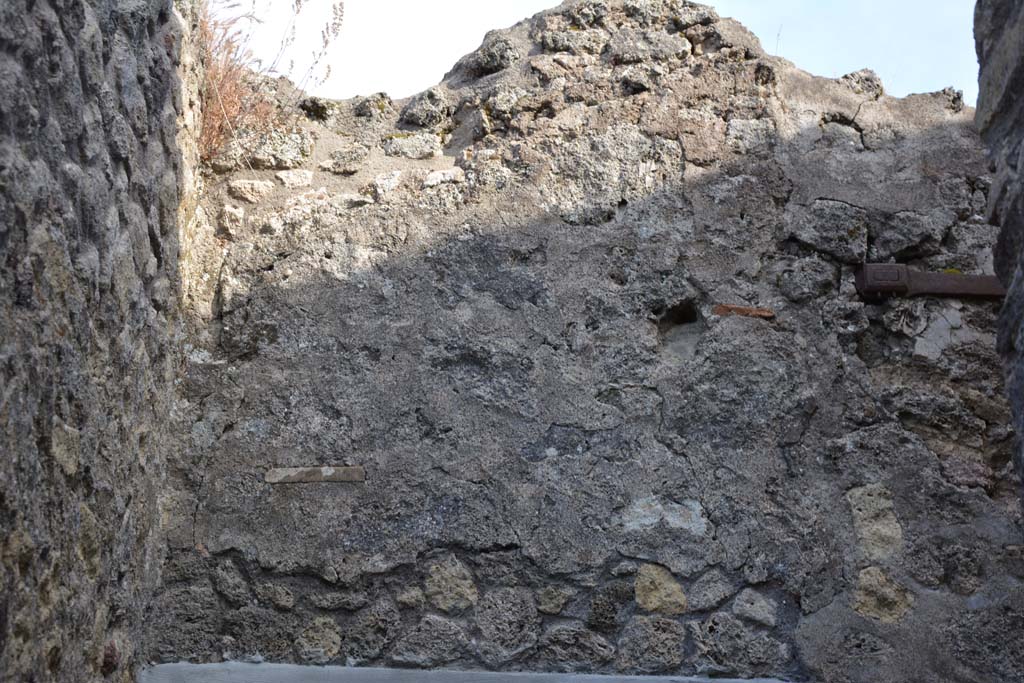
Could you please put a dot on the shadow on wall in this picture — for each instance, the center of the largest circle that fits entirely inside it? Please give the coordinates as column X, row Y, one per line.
column 999, row 27
column 572, row 463
column 89, row 189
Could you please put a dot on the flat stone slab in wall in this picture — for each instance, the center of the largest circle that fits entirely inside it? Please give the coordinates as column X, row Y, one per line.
column 314, row 475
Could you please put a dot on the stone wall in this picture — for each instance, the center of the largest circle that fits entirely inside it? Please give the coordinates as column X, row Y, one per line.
column 90, row 181
column 511, row 299
column 999, row 33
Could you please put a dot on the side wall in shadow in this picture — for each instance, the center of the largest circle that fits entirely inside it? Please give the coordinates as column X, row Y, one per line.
column 999, row 34
column 90, row 183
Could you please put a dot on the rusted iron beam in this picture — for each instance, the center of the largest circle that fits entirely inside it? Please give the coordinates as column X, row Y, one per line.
column 879, row 281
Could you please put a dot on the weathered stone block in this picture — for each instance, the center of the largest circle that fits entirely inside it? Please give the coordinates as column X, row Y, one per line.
column 450, row 586
column 658, row 591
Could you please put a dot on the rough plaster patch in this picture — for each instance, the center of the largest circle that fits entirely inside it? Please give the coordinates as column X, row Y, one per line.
column 647, row 513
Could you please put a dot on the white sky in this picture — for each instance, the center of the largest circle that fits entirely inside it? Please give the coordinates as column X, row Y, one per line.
column 404, row 46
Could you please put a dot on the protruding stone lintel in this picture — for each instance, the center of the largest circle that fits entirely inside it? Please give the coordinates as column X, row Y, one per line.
column 315, row 475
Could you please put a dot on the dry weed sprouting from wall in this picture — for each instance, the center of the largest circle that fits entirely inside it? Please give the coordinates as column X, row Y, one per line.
column 230, row 94
column 234, row 94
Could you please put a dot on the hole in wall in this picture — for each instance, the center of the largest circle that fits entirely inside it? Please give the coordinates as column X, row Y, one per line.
column 53, row 659
column 679, row 314
column 680, row 327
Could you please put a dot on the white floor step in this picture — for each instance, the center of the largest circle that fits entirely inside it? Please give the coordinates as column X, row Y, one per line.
column 237, row 672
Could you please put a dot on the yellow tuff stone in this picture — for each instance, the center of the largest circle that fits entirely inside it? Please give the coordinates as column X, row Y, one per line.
column 658, row 591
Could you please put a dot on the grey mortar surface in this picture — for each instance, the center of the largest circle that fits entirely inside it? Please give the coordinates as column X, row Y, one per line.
column 572, row 463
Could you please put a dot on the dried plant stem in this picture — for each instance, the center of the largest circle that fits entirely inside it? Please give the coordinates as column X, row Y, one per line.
column 235, row 99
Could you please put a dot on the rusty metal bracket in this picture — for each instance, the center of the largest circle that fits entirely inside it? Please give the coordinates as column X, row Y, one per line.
column 879, row 281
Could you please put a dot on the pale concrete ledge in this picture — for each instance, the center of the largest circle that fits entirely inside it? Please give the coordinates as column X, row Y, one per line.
column 235, row 672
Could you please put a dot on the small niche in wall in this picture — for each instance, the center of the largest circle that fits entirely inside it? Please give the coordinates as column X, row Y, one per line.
column 680, row 327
